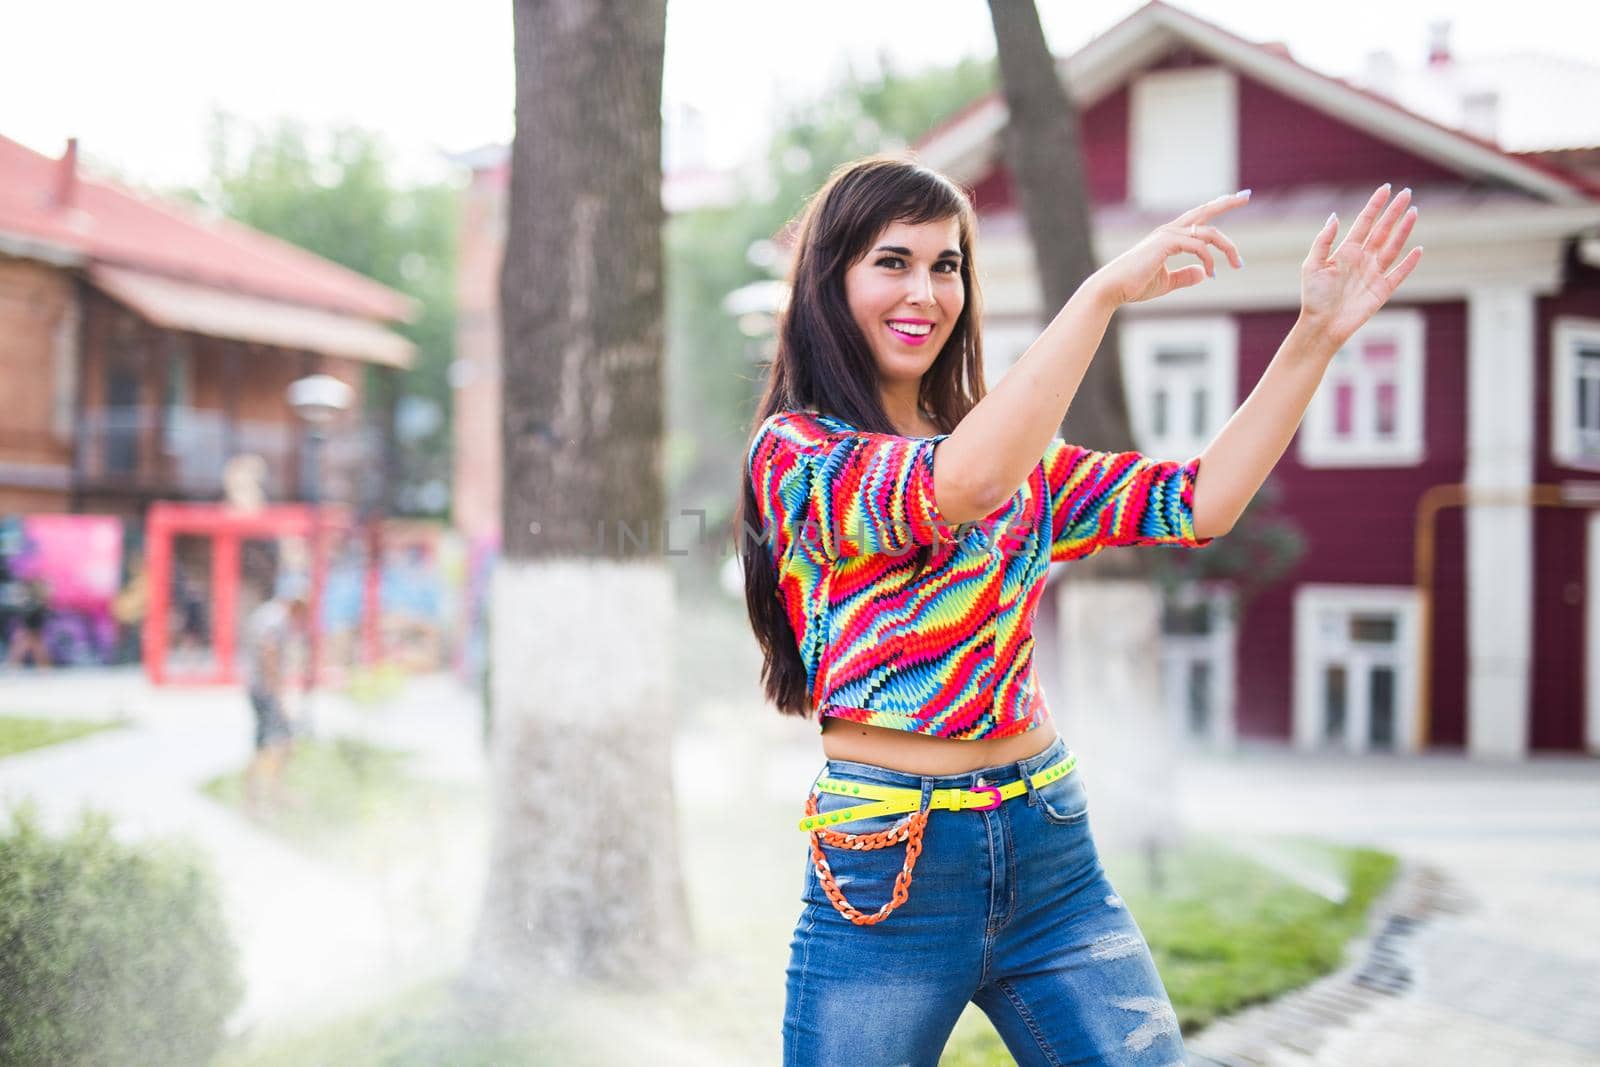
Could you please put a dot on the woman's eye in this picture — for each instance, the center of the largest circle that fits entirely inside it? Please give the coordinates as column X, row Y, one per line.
column 895, row 262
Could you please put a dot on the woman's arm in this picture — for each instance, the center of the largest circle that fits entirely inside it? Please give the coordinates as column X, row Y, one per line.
column 1237, row 461
column 1340, row 290
column 989, row 455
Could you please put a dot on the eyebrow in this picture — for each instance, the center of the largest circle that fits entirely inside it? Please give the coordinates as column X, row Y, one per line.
column 901, row 250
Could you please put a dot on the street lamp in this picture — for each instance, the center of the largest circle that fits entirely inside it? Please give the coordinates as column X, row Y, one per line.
column 318, row 400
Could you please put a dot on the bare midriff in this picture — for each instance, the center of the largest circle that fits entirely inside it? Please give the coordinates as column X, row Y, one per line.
column 920, row 754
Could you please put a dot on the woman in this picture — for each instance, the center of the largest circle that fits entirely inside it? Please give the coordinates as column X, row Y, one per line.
column 897, row 526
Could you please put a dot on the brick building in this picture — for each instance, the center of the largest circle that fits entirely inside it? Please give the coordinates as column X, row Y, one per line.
column 142, row 344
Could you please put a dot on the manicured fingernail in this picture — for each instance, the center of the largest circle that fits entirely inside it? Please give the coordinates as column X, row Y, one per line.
column 1406, row 191
column 1385, row 185
column 1244, row 193
column 1332, row 217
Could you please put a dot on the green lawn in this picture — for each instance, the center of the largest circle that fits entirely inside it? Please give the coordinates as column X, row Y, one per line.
column 351, row 803
column 1226, row 932
column 413, row 1030
column 19, row 733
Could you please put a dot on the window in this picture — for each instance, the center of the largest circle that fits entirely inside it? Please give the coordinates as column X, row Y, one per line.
column 65, row 345
column 1181, row 381
column 1575, row 393
column 1197, row 648
column 175, row 394
column 1005, row 338
column 1355, row 650
column 1183, row 137
column 1368, row 410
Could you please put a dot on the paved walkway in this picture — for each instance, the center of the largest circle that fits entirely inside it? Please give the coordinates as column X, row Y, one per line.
column 1487, row 953
column 315, row 941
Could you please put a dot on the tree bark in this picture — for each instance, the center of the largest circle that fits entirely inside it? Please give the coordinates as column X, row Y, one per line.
column 1111, row 700
column 584, row 878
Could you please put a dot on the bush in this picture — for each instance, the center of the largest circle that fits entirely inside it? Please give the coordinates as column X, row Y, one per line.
column 109, row 954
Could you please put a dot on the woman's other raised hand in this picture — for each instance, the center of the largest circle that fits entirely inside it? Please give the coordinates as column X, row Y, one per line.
column 1141, row 273
column 1341, row 288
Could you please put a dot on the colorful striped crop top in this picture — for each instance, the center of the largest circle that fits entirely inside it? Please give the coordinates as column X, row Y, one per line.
column 948, row 652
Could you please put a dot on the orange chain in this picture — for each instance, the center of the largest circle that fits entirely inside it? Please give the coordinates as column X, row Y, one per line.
column 909, row 831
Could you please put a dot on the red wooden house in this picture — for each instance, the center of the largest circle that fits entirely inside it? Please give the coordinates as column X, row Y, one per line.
column 1447, row 475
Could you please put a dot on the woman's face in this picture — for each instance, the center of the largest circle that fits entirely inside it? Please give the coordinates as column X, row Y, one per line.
column 906, row 294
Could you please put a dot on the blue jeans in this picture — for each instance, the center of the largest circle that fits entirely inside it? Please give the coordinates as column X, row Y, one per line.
column 1009, row 909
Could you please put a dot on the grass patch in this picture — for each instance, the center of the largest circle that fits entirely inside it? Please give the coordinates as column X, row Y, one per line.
column 350, row 802
column 376, row 685
column 19, row 733
column 415, row 1029
column 1226, row 932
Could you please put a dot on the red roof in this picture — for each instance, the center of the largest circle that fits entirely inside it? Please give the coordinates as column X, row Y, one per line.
column 105, row 224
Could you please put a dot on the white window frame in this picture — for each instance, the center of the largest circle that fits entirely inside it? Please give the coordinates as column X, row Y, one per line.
column 1320, row 448
column 1005, row 339
column 1218, row 648
column 1139, row 342
column 1183, row 143
column 1567, row 336
column 65, row 353
column 177, row 393
column 1311, row 655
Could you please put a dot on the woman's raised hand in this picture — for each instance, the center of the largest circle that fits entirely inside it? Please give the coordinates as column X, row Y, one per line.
column 1141, row 273
column 1341, row 288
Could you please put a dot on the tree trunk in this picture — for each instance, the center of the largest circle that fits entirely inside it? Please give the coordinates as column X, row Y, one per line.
column 1110, row 702
column 584, row 879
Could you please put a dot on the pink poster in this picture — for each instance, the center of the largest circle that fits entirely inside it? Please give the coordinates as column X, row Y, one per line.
column 78, row 557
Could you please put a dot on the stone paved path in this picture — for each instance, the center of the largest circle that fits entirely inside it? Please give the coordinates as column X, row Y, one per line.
column 1494, row 927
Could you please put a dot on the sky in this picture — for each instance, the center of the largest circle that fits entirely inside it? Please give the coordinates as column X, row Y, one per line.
column 137, row 82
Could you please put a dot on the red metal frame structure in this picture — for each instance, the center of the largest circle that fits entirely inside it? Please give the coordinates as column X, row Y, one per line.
column 226, row 527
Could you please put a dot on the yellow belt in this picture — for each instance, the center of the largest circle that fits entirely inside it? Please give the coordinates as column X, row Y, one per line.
column 892, row 800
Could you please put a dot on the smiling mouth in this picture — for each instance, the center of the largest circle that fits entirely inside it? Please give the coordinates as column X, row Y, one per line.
column 915, row 333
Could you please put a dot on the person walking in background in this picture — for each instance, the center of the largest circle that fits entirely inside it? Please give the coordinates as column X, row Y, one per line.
column 897, row 524
column 274, row 631
column 127, row 611
column 27, row 637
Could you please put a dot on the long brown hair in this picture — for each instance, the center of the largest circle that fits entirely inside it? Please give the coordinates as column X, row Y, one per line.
column 824, row 363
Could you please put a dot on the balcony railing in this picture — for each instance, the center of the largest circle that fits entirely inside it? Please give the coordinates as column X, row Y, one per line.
column 183, row 454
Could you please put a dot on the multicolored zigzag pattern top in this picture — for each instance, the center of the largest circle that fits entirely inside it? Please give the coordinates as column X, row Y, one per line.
column 947, row 652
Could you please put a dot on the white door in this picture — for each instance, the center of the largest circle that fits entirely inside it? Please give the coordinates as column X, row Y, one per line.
column 1197, row 649
column 1354, row 675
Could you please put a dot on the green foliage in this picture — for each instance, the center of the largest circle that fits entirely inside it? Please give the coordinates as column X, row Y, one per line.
column 334, row 193
column 1263, row 546
column 18, row 734
column 109, row 954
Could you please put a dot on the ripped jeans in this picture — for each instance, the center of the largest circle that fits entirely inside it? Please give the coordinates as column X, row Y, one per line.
column 1009, row 909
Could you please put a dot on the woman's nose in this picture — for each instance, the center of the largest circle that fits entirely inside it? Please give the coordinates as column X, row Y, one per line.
column 921, row 289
